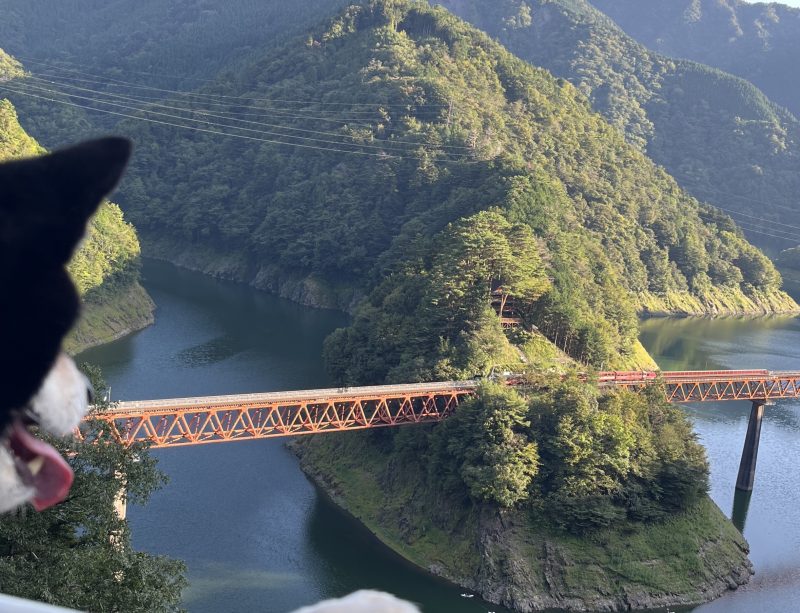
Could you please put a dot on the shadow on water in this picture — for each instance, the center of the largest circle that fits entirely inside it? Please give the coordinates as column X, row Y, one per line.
column 341, row 543
column 741, row 505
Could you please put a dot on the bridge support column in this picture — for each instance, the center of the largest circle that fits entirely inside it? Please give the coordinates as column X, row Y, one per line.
column 747, row 465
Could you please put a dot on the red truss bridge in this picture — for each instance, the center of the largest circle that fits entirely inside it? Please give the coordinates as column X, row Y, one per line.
column 178, row 422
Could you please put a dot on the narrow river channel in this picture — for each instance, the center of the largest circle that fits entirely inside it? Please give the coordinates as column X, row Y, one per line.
column 256, row 534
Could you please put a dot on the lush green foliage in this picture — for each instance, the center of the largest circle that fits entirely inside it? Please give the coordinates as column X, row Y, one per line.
column 174, row 46
column 14, row 141
column 759, row 42
column 9, row 67
column 78, row 553
column 719, row 136
column 109, row 256
column 585, row 460
column 563, row 453
column 440, row 123
column 716, row 134
column 488, row 447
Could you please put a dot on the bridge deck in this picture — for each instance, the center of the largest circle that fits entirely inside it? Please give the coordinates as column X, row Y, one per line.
column 292, row 397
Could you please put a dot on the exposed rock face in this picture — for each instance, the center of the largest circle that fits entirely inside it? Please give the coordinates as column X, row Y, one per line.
column 309, row 291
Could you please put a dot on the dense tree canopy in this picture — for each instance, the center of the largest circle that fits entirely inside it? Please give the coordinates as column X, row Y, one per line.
column 718, row 135
column 759, row 42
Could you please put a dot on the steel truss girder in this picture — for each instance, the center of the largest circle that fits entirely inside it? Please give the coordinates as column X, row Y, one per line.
column 176, row 426
column 770, row 387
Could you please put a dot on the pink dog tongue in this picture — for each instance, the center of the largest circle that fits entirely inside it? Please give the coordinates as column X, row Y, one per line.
column 54, row 478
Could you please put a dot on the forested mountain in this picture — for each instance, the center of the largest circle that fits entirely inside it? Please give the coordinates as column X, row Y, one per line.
column 759, row 41
column 174, row 44
column 718, row 135
column 391, row 133
column 106, row 266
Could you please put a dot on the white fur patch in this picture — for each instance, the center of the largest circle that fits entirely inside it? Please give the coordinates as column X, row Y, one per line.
column 363, row 601
column 59, row 405
column 61, row 402
column 13, row 492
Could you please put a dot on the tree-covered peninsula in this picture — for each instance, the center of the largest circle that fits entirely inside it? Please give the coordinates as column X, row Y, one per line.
column 105, row 268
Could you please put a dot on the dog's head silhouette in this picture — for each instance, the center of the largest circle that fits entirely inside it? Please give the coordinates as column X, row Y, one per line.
column 45, row 204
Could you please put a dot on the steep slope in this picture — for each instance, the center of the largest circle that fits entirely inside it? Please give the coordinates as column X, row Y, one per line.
column 718, row 135
column 105, row 268
column 759, row 41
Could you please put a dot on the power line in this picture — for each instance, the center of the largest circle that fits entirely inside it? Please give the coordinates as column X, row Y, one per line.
column 219, row 125
column 749, row 199
column 240, row 136
column 743, row 226
column 362, row 115
column 222, row 116
column 183, row 92
column 756, row 217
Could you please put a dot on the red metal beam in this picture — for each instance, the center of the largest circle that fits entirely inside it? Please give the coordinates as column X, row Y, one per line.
column 198, row 421
column 218, row 419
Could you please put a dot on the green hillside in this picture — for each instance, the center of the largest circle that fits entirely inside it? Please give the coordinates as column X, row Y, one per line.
column 758, row 41
column 106, row 266
column 401, row 131
column 176, row 45
column 718, row 135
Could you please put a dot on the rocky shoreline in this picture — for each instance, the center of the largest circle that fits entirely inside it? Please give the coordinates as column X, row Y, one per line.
column 111, row 317
column 530, row 569
column 308, row 291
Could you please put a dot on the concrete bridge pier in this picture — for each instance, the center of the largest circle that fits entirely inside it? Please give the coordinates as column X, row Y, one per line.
column 747, row 465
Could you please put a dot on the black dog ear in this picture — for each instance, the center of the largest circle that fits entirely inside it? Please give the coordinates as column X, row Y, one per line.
column 83, row 174
column 45, row 202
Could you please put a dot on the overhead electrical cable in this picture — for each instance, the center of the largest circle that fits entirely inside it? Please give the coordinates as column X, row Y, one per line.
column 358, row 115
column 756, row 217
column 336, row 116
column 282, row 100
column 753, row 200
column 251, row 122
column 757, row 230
column 4, row 86
column 382, row 147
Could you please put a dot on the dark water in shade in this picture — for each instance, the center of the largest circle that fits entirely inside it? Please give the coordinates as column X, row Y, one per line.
column 256, row 535
column 771, row 516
